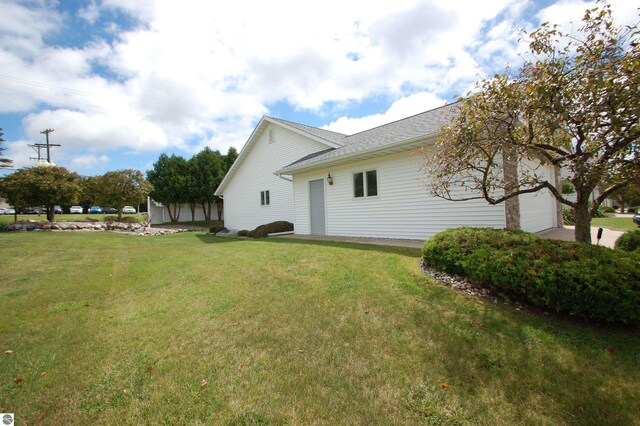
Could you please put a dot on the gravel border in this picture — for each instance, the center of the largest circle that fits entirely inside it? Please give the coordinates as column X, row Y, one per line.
column 466, row 286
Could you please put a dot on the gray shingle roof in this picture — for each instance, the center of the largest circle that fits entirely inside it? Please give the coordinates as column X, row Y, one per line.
column 328, row 135
column 419, row 126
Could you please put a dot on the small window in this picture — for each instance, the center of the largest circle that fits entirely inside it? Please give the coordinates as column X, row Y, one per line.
column 272, row 135
column 365, row 184
column 264, row 198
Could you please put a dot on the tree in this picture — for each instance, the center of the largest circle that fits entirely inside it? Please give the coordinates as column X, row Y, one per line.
column 43, row 185
column 169, row 178
column 574, row 104
column 4, row 162
column 207, row 171
column 118, row 188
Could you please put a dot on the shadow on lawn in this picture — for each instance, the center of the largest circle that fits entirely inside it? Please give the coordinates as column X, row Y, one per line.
column 405, row 251
column 539, row 364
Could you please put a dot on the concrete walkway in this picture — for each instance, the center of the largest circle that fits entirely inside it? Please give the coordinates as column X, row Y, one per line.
column 565, row 234
column 609, row 237
column 361, row 240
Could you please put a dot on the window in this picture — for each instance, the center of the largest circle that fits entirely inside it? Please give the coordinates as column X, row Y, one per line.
column 365, row 184
column 264, row 198
column 272, row 135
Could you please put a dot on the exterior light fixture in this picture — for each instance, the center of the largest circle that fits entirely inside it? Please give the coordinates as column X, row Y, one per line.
column 329, row 179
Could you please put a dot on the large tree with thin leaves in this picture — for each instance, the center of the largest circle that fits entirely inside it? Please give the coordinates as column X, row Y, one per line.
column 574, row 104
column 43, row 185
column 119, row 188
column 207, row 172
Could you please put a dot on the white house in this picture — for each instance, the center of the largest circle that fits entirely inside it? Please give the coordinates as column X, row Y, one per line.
column 368, row 184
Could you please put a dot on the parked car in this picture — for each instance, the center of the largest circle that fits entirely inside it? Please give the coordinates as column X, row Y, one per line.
column 636, row 219
column 109, row 210
column 57, row 209
column 32, row 210
column 9, row 211
column 75, row 210
column 95, row 209
column 129, row 210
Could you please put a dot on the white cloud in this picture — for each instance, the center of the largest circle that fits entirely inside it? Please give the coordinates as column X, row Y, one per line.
column 89, row 161
column 195, row 74
column 405, row 107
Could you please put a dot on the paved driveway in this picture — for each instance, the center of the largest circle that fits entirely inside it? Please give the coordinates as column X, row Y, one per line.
column 609, row 237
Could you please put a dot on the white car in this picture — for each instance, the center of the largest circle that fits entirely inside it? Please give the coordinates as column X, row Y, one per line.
column 75, row 209
column 129, row 210
column 8, row 211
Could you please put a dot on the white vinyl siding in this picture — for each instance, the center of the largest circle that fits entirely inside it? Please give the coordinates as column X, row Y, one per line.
column 242, row 203
column 538, row 209
column 402, row 208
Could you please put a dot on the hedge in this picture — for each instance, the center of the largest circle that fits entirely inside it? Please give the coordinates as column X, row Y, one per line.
column 584, row 280
column 629, row 241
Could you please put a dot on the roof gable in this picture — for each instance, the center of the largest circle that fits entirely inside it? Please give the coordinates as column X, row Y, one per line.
column 325, row 137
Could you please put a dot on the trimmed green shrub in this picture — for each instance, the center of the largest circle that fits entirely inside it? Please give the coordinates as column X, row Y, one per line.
column 632, row 209
column 629, row 241
column 125, row 219
column 584, row 280
column 568, row 217
column 243, row 233
column 216, row 228
column 270, row 228
column 607, row 209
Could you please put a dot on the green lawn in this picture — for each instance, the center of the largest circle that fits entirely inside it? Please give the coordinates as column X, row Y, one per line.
column 188, row 328
column 615, row 223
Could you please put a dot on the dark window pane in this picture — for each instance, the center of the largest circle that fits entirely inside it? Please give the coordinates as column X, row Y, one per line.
column 358, row 185
column 262, row 198
column 372, row 183
column 266, row 196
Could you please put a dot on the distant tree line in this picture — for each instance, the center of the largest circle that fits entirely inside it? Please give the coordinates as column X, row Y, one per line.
column 178, row 181
column 50, row 185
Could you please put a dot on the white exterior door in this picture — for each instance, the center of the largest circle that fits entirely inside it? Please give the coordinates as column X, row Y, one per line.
column 316, row 207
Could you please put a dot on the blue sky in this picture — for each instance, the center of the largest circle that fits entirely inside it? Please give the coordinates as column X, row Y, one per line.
column 123, row 81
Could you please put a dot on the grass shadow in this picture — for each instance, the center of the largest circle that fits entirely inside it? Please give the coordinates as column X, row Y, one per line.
column 405, row 251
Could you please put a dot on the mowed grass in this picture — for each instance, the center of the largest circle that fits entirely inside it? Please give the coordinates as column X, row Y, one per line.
column 615, row 223
column 193, row 329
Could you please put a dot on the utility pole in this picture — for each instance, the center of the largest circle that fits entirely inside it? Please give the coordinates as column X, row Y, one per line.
column 48, row 145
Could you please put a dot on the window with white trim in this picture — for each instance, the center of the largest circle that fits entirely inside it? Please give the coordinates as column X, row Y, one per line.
column 272, row 135
column 365, row 184
column 264, row 198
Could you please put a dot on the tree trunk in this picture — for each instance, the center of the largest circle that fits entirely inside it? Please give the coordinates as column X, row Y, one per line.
column 219, row 208
column 583, row 221
column 51, row 213
column 119, row 207
column 622, row 200
column 206, row 210
column 192, row 206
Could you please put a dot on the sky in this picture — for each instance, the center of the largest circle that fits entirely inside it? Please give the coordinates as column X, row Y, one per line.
column 121, row 82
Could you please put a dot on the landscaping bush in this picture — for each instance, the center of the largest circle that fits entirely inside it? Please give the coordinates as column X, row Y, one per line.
column 270, row 228
column 568, row 217
column 125, row 219
column 584, row 280
column 632, row 210
column 629, row 241
column 243, row 233
column 216, row 228
column 607, row 209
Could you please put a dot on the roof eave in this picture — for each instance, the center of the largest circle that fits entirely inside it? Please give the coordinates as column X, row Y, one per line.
column 421, row 141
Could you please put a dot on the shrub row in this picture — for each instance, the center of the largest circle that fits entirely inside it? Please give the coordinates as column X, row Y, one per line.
column 629, row 241
column 266, row 229
column 584, row 280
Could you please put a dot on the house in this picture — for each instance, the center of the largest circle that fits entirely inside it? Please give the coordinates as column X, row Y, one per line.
column 368, row 184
